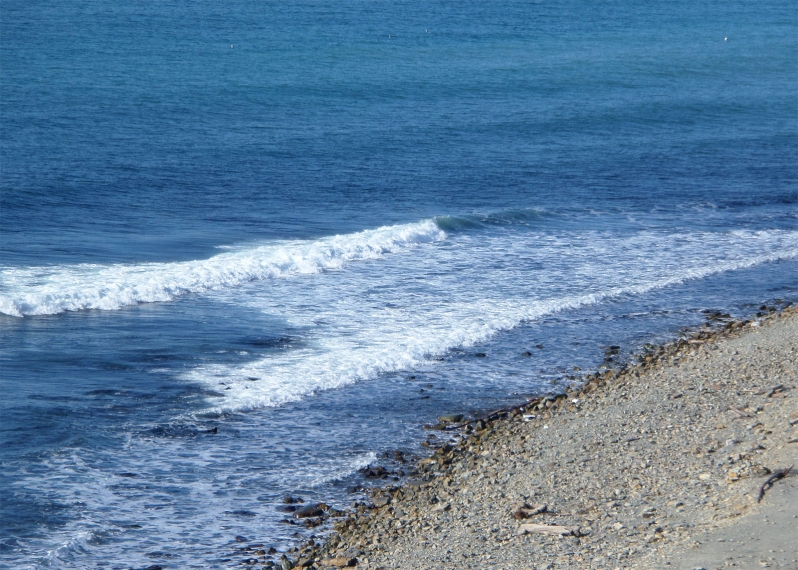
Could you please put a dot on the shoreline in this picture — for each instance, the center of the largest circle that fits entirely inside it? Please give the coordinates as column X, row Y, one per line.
column 547, row 462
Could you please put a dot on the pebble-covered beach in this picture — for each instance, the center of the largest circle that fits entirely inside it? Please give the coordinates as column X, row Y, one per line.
column 637, row 468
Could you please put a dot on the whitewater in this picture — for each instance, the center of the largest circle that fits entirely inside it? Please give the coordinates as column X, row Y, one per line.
column 247, row 249
column 52, row 290
column 56, row 289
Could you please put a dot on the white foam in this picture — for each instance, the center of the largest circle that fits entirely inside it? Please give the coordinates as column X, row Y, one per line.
column 466, row 291
column 52, row 290
column 337, row 469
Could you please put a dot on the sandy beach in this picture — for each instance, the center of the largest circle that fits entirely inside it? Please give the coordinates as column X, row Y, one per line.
column 657, row 465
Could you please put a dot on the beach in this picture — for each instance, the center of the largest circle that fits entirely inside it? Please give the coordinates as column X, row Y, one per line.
column 660, row 464
column 259, row 259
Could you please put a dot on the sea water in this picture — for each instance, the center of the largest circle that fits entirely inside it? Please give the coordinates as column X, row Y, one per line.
column 248, row 248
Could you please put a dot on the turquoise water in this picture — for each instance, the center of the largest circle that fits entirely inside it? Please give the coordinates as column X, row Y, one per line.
column 262, row 219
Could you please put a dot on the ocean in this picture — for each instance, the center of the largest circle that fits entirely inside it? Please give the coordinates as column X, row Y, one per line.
column 249, row 248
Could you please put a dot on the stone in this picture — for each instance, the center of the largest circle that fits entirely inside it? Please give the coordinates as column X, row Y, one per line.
column 451, row 419
column 315, row 510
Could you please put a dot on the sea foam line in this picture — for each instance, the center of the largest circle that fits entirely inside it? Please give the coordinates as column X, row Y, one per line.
column 309, row 372
column 53, row 290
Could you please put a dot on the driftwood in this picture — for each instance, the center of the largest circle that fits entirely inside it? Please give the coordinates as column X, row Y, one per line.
column 779, row 474
column 775, row 389
column 740, row 413
column 340, row 562
column 550, row 529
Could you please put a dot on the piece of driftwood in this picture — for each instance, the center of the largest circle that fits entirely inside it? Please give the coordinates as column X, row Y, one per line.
column 550, row 529
column 778, row 474
column 775, row 389
column 741, row 413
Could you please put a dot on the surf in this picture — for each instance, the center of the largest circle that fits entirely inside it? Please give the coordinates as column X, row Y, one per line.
column 58, row 289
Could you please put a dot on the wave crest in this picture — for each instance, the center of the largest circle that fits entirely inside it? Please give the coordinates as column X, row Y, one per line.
column 53, row 290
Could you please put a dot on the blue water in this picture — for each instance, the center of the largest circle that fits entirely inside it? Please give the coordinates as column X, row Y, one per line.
column 303, row 224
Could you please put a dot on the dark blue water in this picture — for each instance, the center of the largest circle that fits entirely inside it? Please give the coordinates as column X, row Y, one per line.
column 263, row 218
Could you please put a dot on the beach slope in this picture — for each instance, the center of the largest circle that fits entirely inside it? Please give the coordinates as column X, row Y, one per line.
column 659, row 465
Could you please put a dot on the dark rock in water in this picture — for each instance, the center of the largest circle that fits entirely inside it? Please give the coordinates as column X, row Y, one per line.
column 271, row 550
column 240, row 538
column 538, row 346
column 411, row 377
column 480, row 355
column 452, row 418
column 286, row 508
column 154, row 567
column 396, row 455
column 212, row 430
column 126, row 475
column 315, row 510
column 285, row 563
column 241, row 513
column 252, row 379
column 291, row 500
column 526, row 353
column 374, row 472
